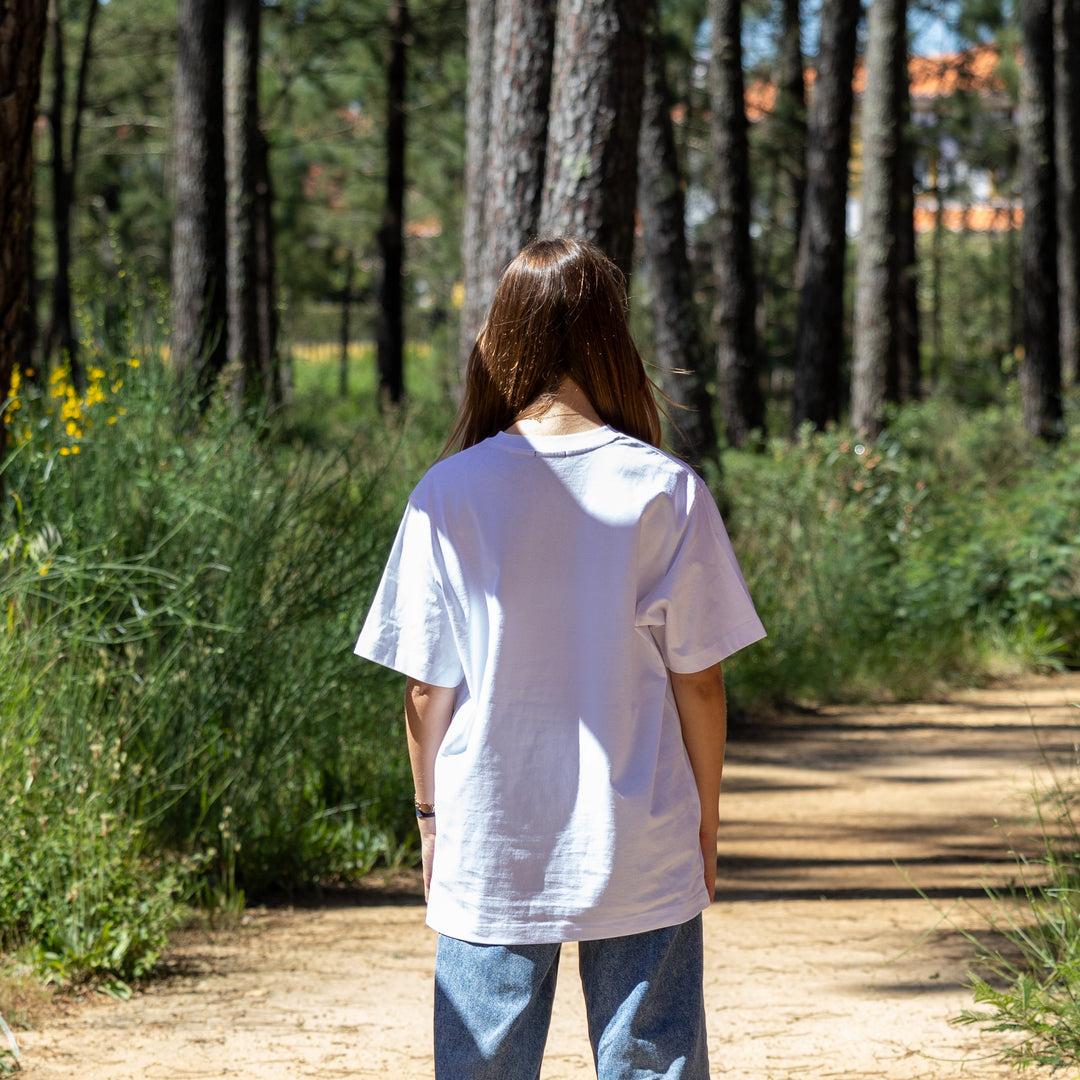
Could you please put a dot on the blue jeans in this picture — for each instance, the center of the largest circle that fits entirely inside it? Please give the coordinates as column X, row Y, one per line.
column 643, row 999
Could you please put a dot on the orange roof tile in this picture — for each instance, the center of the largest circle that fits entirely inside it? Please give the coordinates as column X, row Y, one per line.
column 980, row 217
column 974, row 70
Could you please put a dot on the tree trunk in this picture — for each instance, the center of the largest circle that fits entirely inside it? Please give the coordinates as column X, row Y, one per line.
column 1040, row 369
column 741, row 401
column 80, row 89
column 790, row 112
column 936, row 256
column 198, row 341
column 877, row 285
column 819, row 275
column 481, row 39
column 22, row 43
column 276, row 375
column 908, row 358
column 590, row 172
column 677, row 339
column 517, row 140
column 389, row 327
column 28, row 333
column 1067, row 159
column 241, row 148
column 62, row 332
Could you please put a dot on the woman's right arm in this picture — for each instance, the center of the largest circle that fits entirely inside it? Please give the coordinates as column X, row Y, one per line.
column 428, row 712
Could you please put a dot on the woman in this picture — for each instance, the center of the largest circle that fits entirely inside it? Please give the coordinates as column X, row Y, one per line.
column 560, row 595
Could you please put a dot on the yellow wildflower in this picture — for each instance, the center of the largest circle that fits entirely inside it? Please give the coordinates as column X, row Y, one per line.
column 112, row 419
column 133, row 362
column 95, row 373
column 64, row 451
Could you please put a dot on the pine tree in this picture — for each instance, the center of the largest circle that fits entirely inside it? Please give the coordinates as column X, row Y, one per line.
column 22, row 43
column 198, row 341
column 820, row 345
column 741, row 401
column 877, row 286
column 1040, row 370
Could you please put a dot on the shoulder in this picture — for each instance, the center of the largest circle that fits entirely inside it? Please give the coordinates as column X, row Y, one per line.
column 666, row 474
column 449, row 473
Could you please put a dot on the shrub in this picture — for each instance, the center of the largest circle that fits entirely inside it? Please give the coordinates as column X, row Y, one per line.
column 177, row 669
column 948, row 548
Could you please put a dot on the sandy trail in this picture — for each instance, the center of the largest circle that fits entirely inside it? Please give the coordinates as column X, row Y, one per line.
column 821, row 959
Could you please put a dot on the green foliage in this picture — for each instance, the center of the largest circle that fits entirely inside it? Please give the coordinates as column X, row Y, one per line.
column 177, row 671
column 948, row 548
column 1029, row 987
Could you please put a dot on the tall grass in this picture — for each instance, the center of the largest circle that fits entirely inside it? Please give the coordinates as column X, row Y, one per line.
column 1028, row 987
column 180, row 707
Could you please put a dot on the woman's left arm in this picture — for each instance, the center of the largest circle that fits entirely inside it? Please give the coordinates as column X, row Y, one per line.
column 702, row 706
column 428, row 712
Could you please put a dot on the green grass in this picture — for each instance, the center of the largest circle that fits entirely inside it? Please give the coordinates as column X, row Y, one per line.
column 181, row 715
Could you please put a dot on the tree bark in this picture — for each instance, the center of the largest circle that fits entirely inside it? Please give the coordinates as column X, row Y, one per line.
column 241, row 147
column 590, row 172
column 791, row 111
column 389, row 327
column 878, row 271
column 1040, row 369
column 80, row 87
column 677, row 339
column 22, row 43
column 819, row 275
column 908, row 357
column 198, row 342
column 1067, row 160
column 61, row 330
column 517, row 141
column 741, row 401
column 28, row 334
column 276, row 375
column 481, row 38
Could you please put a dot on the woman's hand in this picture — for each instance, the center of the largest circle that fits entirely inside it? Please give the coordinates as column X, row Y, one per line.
column 707, row 838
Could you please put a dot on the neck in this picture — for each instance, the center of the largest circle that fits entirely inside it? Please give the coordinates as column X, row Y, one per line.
column 565, row 411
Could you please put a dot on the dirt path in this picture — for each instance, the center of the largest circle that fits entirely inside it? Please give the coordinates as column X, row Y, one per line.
column 821, row 960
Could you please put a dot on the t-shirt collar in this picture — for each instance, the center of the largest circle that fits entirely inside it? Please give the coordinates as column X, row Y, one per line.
column 575, row 443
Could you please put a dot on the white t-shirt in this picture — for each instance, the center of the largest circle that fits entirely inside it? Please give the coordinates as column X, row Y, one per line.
column 553, row 581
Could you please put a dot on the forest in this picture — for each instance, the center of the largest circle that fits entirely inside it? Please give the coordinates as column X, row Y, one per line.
column 244, row 249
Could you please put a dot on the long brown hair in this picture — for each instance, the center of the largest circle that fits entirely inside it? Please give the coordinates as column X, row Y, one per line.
column 560, row 310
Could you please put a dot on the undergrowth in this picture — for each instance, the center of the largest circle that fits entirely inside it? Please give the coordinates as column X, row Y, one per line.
column 947, row 550
column 181, row 717
column 1028, row 988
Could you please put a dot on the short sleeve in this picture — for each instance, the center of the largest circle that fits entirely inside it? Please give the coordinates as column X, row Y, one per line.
column 699, row 611
column 408, row 627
